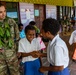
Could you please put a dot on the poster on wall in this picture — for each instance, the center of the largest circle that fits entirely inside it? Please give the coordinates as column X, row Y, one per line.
column 51, row 11
column 36, row 12
column 26, row 13
column 12, row 14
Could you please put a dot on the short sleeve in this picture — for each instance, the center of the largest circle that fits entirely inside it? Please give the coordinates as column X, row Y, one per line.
column 59, row 57
column 20, row 47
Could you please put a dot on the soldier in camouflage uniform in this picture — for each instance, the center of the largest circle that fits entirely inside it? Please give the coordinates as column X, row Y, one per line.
column 9, row 35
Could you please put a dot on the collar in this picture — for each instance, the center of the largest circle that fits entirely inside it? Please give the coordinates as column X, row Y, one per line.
column 54, row 39
column 31, row 41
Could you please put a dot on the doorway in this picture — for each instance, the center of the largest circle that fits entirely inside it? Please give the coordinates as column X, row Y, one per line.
column 39, row 12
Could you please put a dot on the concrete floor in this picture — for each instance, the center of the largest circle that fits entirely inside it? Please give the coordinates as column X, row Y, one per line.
column 72, row 64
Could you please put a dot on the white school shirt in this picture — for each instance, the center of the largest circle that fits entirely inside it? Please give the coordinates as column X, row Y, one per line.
column 72, row 38
column 57, row 52
column 25, row 46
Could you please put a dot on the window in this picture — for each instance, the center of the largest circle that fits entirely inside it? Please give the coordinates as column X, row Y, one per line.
column 12, row 10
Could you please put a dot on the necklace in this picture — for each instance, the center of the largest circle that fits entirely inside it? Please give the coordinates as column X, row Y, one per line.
column 5, row 36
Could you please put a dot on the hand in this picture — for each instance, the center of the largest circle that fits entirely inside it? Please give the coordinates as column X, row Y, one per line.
column 42, row 69
column 38, row 53
column 34, row 54
column 18, row 54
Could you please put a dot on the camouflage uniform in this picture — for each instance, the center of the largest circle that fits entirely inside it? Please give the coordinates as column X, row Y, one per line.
column 8, row 59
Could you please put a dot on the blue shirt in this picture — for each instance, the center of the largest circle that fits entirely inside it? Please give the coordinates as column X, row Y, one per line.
column 22, row 34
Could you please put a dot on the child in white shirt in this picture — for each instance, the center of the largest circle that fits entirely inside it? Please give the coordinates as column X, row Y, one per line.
column 29, row 47
column 72, row 40
column 57, row 51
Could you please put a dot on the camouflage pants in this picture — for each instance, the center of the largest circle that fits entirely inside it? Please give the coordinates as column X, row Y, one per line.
column 9, row 63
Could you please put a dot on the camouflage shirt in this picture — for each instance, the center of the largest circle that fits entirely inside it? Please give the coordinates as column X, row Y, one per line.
column 14, row 32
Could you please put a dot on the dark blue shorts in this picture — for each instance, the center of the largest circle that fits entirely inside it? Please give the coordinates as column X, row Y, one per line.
column 32, row 67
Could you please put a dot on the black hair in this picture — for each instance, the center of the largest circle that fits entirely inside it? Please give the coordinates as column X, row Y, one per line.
column 32, row 23
column 29, row 27
column 51, row 25
column 20, row 24
column 1, row 4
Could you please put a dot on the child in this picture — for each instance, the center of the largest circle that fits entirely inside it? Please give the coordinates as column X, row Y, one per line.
column 57, row 51
column 29, row 47
column 22, row 33
column 38, row 36
column 33, row 23
column 71, row 41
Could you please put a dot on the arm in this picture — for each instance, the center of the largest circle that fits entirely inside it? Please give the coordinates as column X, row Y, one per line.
column 51, row 68
column 25, row 54
column 43, row 55
column 16, row 31
column 33, row 54
column 39, row 54
column 16, row 35
column 15, row 28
